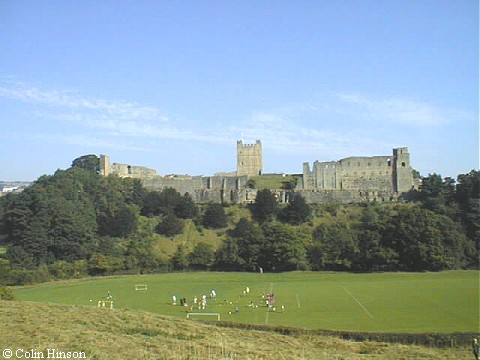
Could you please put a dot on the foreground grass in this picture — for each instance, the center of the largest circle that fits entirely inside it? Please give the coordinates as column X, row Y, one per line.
column 123, row 334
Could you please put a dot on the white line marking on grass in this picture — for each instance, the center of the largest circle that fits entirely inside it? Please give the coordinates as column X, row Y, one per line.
column 358, row 302
column 298, row 301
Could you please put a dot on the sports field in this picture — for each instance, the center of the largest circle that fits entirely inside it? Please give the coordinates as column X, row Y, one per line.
column 389, row 302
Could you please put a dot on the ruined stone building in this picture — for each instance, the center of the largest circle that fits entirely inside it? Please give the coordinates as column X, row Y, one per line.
column 356, row 178
column 226, row 189
column 353, row 179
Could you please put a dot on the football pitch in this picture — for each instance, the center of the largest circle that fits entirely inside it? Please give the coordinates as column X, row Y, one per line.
column 386, row 302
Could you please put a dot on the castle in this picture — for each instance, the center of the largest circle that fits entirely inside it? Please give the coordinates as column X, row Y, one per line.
column 353, row 179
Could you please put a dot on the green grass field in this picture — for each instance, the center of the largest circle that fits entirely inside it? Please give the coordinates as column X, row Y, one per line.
column 398, row 302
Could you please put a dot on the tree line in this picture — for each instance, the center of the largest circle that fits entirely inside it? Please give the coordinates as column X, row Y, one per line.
column 76, row 223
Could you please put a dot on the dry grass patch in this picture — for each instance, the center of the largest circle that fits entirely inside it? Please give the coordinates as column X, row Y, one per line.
column 120, row 334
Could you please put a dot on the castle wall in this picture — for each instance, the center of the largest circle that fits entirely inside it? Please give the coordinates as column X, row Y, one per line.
column 344, row 196
column 380, row 174
column 204, row 189
column 353, row 179
column 125, row 170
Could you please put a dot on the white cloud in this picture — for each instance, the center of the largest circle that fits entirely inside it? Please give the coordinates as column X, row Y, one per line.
column 398, row 110
column 290, row 135
column 122, row 110
column 324, row 128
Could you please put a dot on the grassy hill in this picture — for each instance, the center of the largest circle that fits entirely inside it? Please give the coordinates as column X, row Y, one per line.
column 273, row 181
column 124, row 334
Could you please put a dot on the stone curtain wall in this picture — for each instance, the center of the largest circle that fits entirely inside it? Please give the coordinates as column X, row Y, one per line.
column 367, row 174
column 353, row 179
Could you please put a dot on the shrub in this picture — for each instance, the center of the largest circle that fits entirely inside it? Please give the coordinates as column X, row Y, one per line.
column 6, row 293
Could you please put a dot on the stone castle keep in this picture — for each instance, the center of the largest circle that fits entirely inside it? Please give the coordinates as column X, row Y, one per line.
column 353, row 179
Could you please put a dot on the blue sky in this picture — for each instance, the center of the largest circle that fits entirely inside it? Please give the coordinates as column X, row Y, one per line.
column 172, row 85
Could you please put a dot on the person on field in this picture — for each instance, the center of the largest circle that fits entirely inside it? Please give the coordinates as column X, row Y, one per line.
column 476, row 348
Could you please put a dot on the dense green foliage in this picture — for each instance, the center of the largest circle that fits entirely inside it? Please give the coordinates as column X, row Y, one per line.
column 215, row 217
column 76, row 223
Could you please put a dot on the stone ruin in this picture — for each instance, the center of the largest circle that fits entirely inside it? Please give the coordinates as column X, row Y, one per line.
column 353, row 179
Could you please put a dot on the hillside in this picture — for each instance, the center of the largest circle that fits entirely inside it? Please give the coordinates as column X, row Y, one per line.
column 120, row 334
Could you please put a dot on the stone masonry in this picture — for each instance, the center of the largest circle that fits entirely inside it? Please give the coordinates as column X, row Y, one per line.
column 353, row 179
column 358, row 178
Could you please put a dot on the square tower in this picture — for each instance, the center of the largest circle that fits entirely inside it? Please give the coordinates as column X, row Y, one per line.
column 402, row 171
column 249, row 158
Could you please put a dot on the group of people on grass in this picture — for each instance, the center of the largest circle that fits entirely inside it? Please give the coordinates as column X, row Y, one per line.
column 198, row 303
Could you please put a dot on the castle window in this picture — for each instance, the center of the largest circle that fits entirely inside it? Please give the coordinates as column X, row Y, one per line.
column 129, row 170
column 389, row 162
column 403, row 163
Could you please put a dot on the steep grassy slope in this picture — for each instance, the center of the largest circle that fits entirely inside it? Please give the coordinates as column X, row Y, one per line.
column 120, row 334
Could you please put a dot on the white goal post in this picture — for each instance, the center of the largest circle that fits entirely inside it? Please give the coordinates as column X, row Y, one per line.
column 105, row 304
column 141, row 287
column 217, row 315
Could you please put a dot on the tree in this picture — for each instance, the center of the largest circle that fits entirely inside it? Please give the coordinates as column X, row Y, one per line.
column 169, row 225
column 250, row 242
column 104, row 265
column 438, row 195
column 140, row 256
column 51, row 221
column 265, row 206
column 215, row 217
column 87, row 162
column 283, row 251
column 186, row 207
column 468, row 198
column 169, row 200
column 296, row 212
column 425, row 240
column 180, row 260
column 333, row 248
column 228, row 257
column 202, row 257
column 123, row 222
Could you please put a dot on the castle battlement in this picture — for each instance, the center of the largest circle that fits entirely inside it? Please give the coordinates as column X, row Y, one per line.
column 352, row 179
column 249, row 158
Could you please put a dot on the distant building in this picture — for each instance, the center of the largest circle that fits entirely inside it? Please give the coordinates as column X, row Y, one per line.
column 9, row 189
column 353, row 179
column 249, row 158
column 374, row 178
